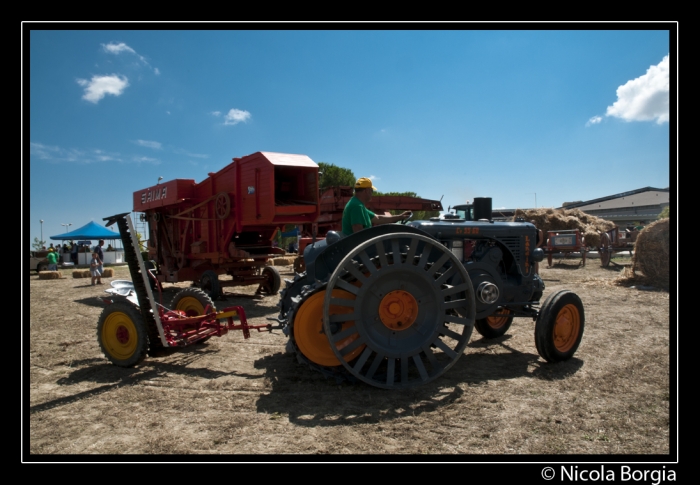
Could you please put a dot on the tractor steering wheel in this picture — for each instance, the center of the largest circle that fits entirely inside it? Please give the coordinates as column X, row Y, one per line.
column 404, row 221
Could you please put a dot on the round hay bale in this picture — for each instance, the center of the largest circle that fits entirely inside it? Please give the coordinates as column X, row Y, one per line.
column 651, row 253
column 49, row 275
column 107, row 272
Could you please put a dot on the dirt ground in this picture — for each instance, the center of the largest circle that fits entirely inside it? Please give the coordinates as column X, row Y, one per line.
column 242, row 399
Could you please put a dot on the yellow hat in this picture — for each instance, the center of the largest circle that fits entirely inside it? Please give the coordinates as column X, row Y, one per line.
column 364, row 183
column 50, row 250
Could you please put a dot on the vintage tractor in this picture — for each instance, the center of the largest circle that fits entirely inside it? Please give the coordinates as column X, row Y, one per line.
column 133, row 324
column 226, row 223
column 394, row 306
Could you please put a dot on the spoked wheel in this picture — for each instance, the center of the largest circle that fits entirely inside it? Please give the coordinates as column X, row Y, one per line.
column 272, row 281
column 496, row 324
column 605, row 250
column 559, row 326
column 122, row 335
column 193, row 302
column 223, row 205
column 411, row 306
column 209, row 283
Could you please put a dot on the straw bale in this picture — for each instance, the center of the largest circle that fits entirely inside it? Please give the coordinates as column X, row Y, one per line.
column 107, row 272
column 49, row 275
column 81, row 273
column 549, row 219
column 651, row 253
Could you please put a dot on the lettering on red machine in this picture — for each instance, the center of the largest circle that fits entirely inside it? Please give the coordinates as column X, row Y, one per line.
column 151, row 195
column 527, row 254
column 467, row 230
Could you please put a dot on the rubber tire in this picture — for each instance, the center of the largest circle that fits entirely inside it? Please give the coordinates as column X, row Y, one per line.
column 553, row 309
column 41, row 267
column 201, row 297
column 274, row 281
column 487, row 330
column 122, row 315
column 209, row 283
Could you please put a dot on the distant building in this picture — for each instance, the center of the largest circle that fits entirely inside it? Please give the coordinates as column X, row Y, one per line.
column 642, row 205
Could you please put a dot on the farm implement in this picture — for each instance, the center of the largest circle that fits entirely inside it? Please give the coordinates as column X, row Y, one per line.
column 129, row 328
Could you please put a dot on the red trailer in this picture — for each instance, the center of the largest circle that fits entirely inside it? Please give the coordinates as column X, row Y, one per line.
column 226, row 223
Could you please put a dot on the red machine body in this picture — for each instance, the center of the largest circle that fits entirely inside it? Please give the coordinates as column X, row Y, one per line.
column 225, row 224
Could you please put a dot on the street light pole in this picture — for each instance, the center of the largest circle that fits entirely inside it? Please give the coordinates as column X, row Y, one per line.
column 41, row 221
column 66, row 226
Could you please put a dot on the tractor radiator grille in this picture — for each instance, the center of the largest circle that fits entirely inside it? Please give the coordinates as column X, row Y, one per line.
column 513, row 244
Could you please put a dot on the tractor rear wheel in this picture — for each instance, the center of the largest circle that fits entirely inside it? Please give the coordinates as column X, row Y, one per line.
column 495, row 325
column 121, row 333
column 559, row 326
column 409, row 310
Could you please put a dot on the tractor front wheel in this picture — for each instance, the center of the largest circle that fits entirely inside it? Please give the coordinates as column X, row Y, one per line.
column 121, row 333
column 495, row 325
column 559, row 326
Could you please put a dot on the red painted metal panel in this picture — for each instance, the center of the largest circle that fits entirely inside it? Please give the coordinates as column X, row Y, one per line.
column 162, row 195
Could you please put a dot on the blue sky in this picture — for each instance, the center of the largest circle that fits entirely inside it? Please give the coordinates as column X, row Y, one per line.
column 523, row 116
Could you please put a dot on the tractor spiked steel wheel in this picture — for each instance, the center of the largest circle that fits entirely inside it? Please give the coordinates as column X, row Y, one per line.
column 411, row 307
column 122, row 335
column 559, row 326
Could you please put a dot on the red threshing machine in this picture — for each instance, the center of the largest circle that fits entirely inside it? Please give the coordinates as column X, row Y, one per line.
column 614, row 241
column 226, row 223
column 333, row 200
column 565, row 241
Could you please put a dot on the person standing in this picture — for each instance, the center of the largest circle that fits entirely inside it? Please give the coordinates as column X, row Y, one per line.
column 100, row 256
column 52, row 260
column 356, row 215
column 95, row 272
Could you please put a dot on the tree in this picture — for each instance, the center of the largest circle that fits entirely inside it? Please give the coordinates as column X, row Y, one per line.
column 37, row 245
column 665, row 212
column 334, row 175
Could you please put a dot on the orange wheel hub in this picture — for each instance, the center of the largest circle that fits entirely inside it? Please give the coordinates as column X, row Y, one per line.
column 566, row 328
column 497, row 320
column 310, row 336
column 398, row 310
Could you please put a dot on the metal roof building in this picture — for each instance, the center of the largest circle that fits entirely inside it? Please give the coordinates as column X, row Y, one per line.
column 636, row 206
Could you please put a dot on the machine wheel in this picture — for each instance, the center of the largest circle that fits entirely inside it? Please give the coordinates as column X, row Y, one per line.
column 209, row 283
column 122, row 335
column 411, row 305
column 549, row 259
column 495, row 325
column 273, row 281
column 193, row 302
column 605, row 251
column 223, row 205
column 559, row 326
column 41, row 267
column 308, row 330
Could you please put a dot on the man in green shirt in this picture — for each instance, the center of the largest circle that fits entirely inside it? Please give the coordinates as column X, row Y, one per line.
column 356, row 215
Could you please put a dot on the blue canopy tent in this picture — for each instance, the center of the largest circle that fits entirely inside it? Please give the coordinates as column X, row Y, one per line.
column 91, row 230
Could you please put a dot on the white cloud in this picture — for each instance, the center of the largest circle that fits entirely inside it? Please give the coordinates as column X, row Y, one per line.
column 121, row 47
column 594, row 121
column 100, row 86
column 216, row 113
column 153, row 161
column 645, row 98
column 235, row 116
column 373, row 178
column 113, row 48
column 150, row 144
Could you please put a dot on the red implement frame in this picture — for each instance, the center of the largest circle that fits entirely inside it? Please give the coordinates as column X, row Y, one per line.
column 565, row 241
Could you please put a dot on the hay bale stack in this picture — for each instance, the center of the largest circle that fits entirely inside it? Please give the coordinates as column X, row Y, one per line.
column 49, row 275
column 81, row 273
column 651, row 253
column 549, row 219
